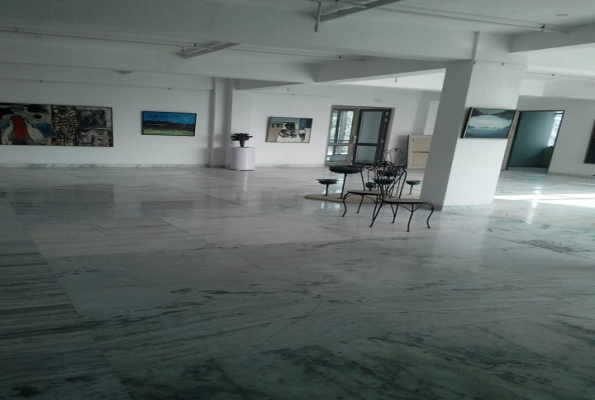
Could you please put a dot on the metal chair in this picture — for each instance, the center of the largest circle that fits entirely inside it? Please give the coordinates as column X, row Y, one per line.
column 384, row 180
column 396, row 156
column 410, row 205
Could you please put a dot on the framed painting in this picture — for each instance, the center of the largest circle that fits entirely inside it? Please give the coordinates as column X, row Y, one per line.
column 55, row 125
column 168, row 123
column 289, row 130
column 487, row 123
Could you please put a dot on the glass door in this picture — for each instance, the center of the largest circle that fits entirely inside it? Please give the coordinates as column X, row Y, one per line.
column 340, row 146
column 373, row 125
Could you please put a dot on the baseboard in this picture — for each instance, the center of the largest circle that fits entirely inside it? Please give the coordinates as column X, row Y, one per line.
column 290, row 165
column 477, row 207
column 572, row 175
column 90, row 166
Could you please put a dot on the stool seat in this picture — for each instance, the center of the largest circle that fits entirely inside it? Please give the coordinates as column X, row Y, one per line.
column 327, row 182
column 411, row 183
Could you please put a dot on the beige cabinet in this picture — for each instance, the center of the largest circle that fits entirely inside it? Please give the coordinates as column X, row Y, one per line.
column 418, row 150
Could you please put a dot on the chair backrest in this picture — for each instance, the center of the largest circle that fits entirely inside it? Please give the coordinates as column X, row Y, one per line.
column 388, row 178
column 396, row 156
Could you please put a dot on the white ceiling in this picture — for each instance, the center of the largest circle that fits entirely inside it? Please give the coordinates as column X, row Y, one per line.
column 503, row 14
column 443, row 29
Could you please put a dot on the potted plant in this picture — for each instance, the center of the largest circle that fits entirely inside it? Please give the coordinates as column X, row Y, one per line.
column 240, row 137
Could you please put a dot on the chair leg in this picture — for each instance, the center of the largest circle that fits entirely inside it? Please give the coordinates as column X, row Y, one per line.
column 375, row 207
column 344, row 205
column 376, row 215
column 410, row 216
column 360, row 205
column 395, row 210
column 430, row 216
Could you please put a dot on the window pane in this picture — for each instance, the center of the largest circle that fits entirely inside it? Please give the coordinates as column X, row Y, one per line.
column 365, row 155
column 555, row 129
column 337, row 154
column 370, row 126
column 332, row 133
column 341, row 122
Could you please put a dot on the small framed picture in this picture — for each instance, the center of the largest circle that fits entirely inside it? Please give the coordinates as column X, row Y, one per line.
column 168, row 123
column 487, row 123
column 289, row 130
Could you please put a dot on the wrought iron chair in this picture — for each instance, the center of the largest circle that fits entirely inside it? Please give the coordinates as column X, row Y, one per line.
column 384, row 180
column 395, row 202
column 396, row 156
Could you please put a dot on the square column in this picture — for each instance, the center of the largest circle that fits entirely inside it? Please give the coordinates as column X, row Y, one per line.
column 465, row 171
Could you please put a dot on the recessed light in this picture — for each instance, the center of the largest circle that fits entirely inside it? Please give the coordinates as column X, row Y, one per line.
column 561, row 15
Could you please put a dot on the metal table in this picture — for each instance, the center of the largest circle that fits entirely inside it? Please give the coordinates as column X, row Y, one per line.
column 348, row 170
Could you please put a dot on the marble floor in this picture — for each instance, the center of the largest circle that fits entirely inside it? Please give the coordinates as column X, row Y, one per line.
column 157, row 283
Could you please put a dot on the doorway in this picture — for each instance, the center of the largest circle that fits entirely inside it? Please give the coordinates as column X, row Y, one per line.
column 532, row 145
column 357, row 135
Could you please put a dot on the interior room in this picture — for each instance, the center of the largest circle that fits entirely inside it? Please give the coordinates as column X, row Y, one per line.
column 297, row 199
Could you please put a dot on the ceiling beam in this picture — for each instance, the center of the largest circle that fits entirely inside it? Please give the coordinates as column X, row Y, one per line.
column 583, row 35
column 255, row 85
column 355, row 10
column 373, row 68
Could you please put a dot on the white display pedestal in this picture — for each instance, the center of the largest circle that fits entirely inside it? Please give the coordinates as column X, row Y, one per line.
column 242, row 158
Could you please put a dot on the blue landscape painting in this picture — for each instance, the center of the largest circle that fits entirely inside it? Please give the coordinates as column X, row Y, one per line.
column 168, row 123
column 487, row 123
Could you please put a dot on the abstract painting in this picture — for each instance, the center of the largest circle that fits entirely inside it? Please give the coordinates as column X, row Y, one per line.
column 485, row 123
column 55, row 125
column 289, row 130
column 168, row 123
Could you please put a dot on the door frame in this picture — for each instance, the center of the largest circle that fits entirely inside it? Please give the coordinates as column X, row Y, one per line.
column 515, row 129
column 381, row 137
column 355, row 127
column 349, row 145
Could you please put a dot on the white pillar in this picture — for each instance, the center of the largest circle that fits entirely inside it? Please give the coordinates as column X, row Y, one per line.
column 241, row 115
column 220, row 110
column 466, row 171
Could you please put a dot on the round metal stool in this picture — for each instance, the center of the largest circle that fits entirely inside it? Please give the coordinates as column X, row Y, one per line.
column 327, row 182
column 411, row 184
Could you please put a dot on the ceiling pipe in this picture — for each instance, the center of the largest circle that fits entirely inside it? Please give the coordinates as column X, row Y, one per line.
column 539, row 28
column 318, row 16
column 354, row 10
column 298, row 54
column 30, row 32
column 199, row 52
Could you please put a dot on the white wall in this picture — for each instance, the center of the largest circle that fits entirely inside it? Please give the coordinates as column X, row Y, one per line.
column 127, row 102
column 573, row 136
column 410, row 111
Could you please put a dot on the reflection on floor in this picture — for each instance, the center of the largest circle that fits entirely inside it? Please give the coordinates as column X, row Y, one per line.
column 216, row 284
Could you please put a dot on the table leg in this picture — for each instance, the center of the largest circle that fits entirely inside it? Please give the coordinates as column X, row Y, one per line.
column 343, row 188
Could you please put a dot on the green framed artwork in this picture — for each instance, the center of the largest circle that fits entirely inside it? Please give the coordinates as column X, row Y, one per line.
column 168, row 123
